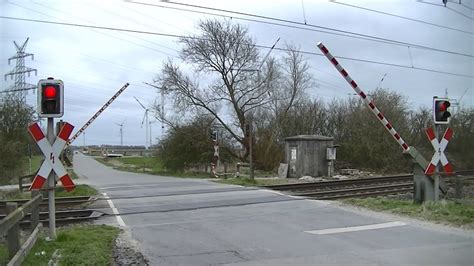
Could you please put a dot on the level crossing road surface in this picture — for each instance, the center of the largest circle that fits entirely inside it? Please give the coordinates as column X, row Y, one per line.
column 179, row 221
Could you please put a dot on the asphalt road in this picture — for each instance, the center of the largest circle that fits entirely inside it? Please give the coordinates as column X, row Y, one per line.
column 180, row 221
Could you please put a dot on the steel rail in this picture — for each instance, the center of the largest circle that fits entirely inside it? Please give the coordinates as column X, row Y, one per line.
column 346, row 182
column 408, row 185
column 64, row 217
column 366, row 194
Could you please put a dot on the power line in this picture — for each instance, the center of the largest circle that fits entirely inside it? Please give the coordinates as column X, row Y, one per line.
column 378, row 63
column 403, row 17
column 138, row 23
column 115, row 37
column 305, row 26
column 260, row 46
column 447, row 7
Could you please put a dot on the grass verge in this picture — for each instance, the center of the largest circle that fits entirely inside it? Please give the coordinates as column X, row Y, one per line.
column 447, row 212
column 3, row 254
column 71, row 173
column 80, row 245
column 80, row 190
column 152, row 165
column 149, row 165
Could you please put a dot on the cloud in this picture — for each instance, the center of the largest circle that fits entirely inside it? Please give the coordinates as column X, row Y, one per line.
column 94, row 64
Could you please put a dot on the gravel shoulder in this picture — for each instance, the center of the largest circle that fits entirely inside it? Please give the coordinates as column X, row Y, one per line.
column 126, row 251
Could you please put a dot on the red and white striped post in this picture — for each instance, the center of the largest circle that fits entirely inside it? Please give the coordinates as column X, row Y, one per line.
column 370, row 103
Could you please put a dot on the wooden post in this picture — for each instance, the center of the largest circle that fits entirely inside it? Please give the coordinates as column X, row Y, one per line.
column 225, row 170
column 13, row 235
column 34, row 216
column 20, row 184
column 458, row 186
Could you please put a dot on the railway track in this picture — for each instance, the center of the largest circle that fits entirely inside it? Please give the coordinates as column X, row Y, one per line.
column 63, row 217
column 348, row 188
column 362, row 187
column 68, row 210
column 62, row 203
column 327, row 190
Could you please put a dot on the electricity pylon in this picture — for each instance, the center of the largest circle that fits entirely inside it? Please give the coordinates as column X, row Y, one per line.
column 20, row 86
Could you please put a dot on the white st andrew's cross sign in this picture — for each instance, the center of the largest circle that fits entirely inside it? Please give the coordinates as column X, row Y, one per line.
column 51, row 153
column 439, row 147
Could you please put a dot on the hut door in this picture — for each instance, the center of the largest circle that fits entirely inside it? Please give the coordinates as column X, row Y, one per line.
column 293, row 158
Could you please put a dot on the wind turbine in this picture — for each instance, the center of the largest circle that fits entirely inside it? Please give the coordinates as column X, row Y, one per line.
column 151, row 135
column 145, row 119
column 121, row 132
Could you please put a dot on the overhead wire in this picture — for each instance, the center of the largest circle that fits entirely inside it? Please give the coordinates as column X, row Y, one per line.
column 96, row 58
column 260, row 46
column 138, row 23
column 306, row 26
column 402, row 17
column 143, row 14
column 86, row 80
column 102, row 33
column 447, row 7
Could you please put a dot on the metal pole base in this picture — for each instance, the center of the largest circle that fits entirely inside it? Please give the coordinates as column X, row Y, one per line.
column 424, row 186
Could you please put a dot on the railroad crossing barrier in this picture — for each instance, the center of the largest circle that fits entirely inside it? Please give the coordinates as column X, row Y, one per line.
column 426, row 187
column 10, row 226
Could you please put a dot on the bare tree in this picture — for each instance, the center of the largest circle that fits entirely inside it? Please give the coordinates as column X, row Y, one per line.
column 224, row 78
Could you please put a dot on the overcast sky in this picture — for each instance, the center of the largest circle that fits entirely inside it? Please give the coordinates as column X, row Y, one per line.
column 95, row 63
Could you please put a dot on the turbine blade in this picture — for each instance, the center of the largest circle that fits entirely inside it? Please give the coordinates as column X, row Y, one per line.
column 139, row 103
column 143, row 120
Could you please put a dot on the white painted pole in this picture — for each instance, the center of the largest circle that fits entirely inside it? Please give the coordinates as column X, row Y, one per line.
column 51, row 184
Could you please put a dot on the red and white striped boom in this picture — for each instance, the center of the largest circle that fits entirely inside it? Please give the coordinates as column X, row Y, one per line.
column 370, row 103
column 97, row 114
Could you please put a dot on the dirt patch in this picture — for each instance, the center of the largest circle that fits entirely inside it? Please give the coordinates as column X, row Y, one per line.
column 126, row 251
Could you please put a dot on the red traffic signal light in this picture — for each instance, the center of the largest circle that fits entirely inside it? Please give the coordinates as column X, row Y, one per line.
column 50, row 98
column 441, row 113
column 50, row 92
column 213, row 135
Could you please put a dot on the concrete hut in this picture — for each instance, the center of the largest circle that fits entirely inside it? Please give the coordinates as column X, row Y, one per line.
column 309, row 155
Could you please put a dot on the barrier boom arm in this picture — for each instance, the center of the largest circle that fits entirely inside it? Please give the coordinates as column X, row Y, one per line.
column 370, row 103
column 97, row 114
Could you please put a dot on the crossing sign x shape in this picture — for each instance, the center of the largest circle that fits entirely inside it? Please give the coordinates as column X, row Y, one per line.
column 439, row 147
column 51, row 153
column 216, row 150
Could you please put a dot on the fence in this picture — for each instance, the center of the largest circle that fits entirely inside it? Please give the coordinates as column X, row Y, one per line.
column 10, row 226
column 21, row 182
